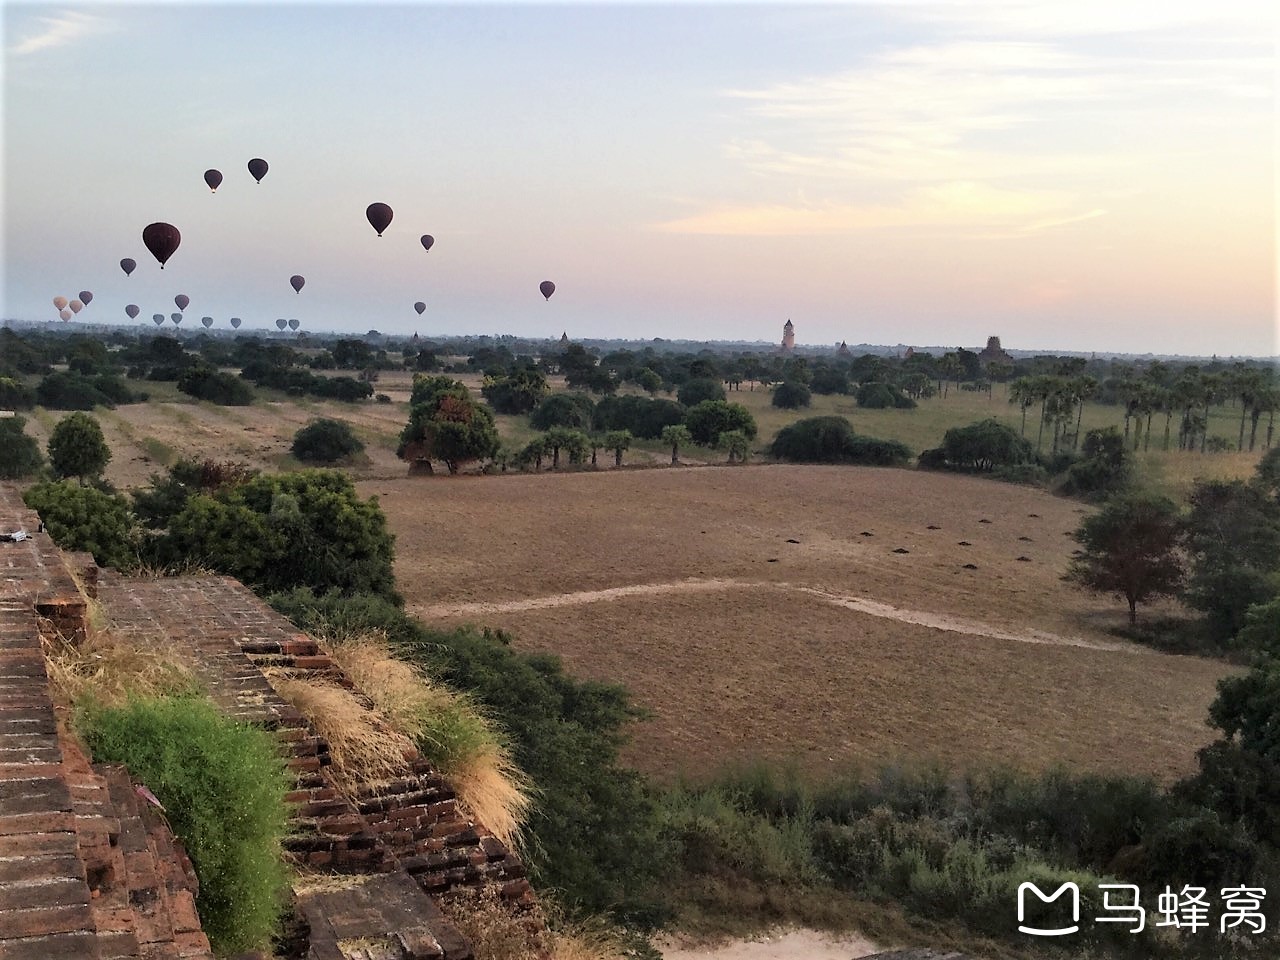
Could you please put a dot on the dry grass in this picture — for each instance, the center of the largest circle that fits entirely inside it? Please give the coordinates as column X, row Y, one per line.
column 448, row 728
column 108, row 670
column 495, row 931
column 366, row 749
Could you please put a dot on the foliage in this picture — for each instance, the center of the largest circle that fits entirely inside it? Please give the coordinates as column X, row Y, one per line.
column 676, row 436
column 737, row 444
column 1268, row 471
column 710, row 418
column 84, row 518
column 446, row 424
column 518, row 392
column 829, row 380
column 73, row 391
column 643, row 417
column 791, row 395
column 326, row 441
column 592, row 833
column 77, row 447
column 157, row 504
column 207, row 383
column 832, row 440
column 1130, row 549
column 15, row 395
column 281, row 531
column 985, row 445
column 223, row 786
column 1105, row 469
column 1233, row 539
column 700, row 389
column 876, row 395
column 572, row 410
column 20, row 456
column 617, row 441
column 574, row 442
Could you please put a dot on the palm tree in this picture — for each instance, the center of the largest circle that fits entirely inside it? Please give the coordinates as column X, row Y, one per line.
column 1083, row 387
column 1022, row 392
column 1246, row 385
column 1045, row 386
column 1214, row 392
column 675, row 435
column 1265, row 399
column 1185, row 396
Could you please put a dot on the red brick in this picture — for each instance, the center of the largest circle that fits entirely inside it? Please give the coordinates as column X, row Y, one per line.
column 46, row 822
column 62, row 946
column 50, row 920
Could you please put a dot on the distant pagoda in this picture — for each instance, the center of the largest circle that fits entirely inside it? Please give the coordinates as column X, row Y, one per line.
column 788, row 337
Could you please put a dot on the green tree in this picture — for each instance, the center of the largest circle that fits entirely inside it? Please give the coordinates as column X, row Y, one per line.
column 832, row 440
column 985, row 445
column 676, row 435
column 77, row 448
column 15, row 395
column 790, row 395
column 19, row 454
column 446, row 424
column 737, row 443
column 1130, row 549
column 324, row 441
column 518, row 392
column 85, row 518
column 1105, row 468
column 697, row 390
column 1023, row 392
column 710, row 418
column 572, row 410
column 617, row 441
column 573, row 442
column 649, row 381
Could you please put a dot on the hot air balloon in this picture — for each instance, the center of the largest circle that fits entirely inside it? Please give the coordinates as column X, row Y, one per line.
column 296, row 282
column 86, row 297
column 213, row 178
column 258, row 167
column 60, row 303
column 294, row 324
column 235, row 323
column 162, row 240
column 281, row 323
column 65, row 315
column 76, row 306
column 176, row 318
column 132, row 311
column 207, row 321
column 547, row 288
column 427, row 241
column 379, row 215
column 420, row 306
column 128, row 265
column 158, row 319
column 182, row 300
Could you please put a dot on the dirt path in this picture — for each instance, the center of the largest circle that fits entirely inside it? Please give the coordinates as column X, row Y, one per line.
column 779, row 945
column 865, row 605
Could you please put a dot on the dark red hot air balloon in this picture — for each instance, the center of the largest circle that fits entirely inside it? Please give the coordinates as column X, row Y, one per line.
column 182, row 300
column 132, row 311
column 296, row 282
column 86, row 297
column 258, row 167
column 420, row 306
column 235, row 323
column 213, row 178
column 161, row 239
column 128, row 265
column 547, row 288
column 379, row 215
column 427, row 241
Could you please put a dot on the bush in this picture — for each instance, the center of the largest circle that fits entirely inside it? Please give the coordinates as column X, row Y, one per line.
column 791, row 396
column 82, row 518
column 19, row 454
column 517, row 393
column 77, row 447
column 643, row 417
column 985, row 445
column 882, row 396
column 205, row 383
column 223, row 786
column 326, row 441
column 829, row 380
column 15, row 395
column 572, row 410
column 710, row 418
column 71, row 391
column 1104, row 470
column 832, row 440
column 698, row 389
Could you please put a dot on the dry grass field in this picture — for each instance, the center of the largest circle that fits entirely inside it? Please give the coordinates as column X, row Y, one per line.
column 828, row 651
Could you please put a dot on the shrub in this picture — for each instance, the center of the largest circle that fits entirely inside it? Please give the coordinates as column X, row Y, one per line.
column 71, row 391
column 643, row 417
column 205, row 383
column 1105, row 468
column 381, row 398
column 829, row 380
column 223, row 786
column 791, row 396
column 19, row 454
column 15, row 395
column 875, row 395
column 83, row 518
column 572, row 410
column 832, row 440
column 517, row 393
column 326, row 441
column 77, row 447
column 1268, row 471
column 710, row 418
column 985, row 445
column 695, row 391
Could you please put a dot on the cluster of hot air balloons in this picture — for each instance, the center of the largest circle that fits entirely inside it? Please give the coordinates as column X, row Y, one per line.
column 69, row 308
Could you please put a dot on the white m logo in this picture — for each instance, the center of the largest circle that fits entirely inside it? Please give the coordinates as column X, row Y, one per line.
column 1036, row 931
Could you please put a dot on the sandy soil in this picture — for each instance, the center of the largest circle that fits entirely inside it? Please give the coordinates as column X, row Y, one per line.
column 828, row 651
column 777, row 945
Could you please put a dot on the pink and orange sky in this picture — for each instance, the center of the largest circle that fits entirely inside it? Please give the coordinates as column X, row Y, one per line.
column 1083, row 176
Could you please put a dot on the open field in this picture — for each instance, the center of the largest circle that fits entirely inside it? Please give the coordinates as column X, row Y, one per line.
column 829, row 651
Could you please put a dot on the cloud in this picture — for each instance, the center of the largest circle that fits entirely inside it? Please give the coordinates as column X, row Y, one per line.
column 58, row 32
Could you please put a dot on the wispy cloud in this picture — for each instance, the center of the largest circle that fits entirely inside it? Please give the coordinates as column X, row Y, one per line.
column 59, row 31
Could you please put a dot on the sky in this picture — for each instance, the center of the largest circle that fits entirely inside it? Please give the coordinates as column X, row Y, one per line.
column 1075, row 175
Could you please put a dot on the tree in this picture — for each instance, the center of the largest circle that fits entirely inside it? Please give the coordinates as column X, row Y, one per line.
column 516, row 393
column 737, row 444
column 1130, row 549
column 573, row 410
column 19, row 454
column 326, row 441
column 648, row 381
column 207, row 383
column 84, row 518
column 77, row 448
column 15, row 395
column 877, row 395
column 1023, row 392
column 1105, row 468
column 791, row 395
column 832, row 440
column 710, row 418
column 617, row 441
column 446, row 424
column 985, row 445
column 676, row 435
column 573, row 442
column 699, row 389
